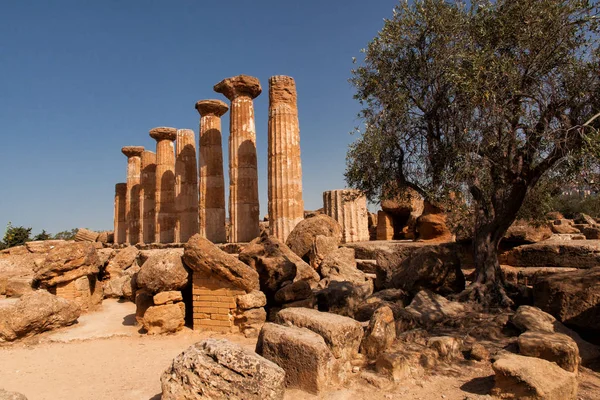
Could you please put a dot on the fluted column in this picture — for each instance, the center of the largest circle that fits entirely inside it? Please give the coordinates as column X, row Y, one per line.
column 132, row 199
column 186, row 185
column 148, row 193
column 164, row 199
column 286, row 207
column 243, row 174
column 211, row 209
column 349, row 208
column 120, row 232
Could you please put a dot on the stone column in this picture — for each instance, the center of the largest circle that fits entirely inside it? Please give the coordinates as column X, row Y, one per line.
column 349, row 208
column 212, row 182
column 164, row 200
column 186, row 186
column 120, row 233
column 147, row 196
column 286, row 207
column 132, row 200
column 243, row 174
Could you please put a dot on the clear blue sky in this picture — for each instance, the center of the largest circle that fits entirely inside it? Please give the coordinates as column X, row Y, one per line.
column 79, row 79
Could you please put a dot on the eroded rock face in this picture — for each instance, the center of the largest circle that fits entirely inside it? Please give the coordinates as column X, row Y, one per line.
column 430, row 308
column 67, row 262
column 380, row 334
column 254, row 299
column 567, row 254
column 431, row 225
column 163, row 272
column 121, row 261
column 34, row 313
column 523, row 232
column 554, row 347
column 202, row 255
column 220, row 369
column 530, row 378
column 166, row 318
column 301, row 238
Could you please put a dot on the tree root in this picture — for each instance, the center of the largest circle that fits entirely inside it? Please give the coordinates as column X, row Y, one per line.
column 488, row 295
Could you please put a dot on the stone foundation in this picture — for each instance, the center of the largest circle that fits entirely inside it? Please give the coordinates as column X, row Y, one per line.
column 85, row 291
column 214, row 303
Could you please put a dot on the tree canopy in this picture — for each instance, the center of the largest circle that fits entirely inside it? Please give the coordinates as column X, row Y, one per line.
column 478, row 101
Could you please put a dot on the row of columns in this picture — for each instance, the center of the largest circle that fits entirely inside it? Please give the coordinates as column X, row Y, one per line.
column 164, row 199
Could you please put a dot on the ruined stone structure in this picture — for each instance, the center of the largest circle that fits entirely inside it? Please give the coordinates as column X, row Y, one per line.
column 165, row 184
column 120, row 220
column 186, row 186
column 349, row 209
column 132, row 198
column 214, row 303
column 147, row 196
column 212, row 183
column 85, row 291
column 385, row 226
column 286, row 207
column 243, row 174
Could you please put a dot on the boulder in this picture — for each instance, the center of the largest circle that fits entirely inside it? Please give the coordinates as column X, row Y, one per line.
column 67, row 262
column 404, row 204
column 343, row 335
column 105, row 255
column 523, row 232
column 219, row 369
column 16, row 274
column 563, row 226
column 202, row 255
column 395, row 299
column 36, row 312
column 121, row 261
column 530, row 378
column 166, row 318
column 4, row 395
column 431, row 308
column 581, row 218
column 163, row 272
column 479, row 352
column 340, row 265
column 343, row 297
column 432, row 226
column 169, row 297
column 448, row 348
column 380, row 334
column 43, row 246
column 295, row 291
column 570, row 254
column 321, row 247
column 254, row 299
column 573, row 298
column 302, row 237
column 276, row 264
column 250, row 321
column 592, row 232
column 143, row 301
column 554, row 347
column 308, row 363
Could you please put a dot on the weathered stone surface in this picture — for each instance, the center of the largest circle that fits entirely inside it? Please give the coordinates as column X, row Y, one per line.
column 163, row 272
column 303, row 235
column 212, row 182
column 254, row 299
column 343, row 335
column 343, row 297
column 380, row 334
column 340, row 265
column 86, row 235
column 591, row 232
column 349, row 208
column 554, row 347
column 17, row 271
column 570, row 254
column 147, row 197
column 164, row 196
column 295, row 291
column 171, row 296
column 186, row 186
column 448, row 348
column 564, row 226
column 286, row 207
column 522, row 232
column 250, row 321
column 166, row 318
column 120, row 216
column 395, row 299
column 431, row 225
column 429, row 307
column 132, row 198
column 121, row 261
column 276, row 264
column 202, row 255
column 403, row 203
column 479, row 352
column 223, row 370
column 385, row 226
column 307, row 361
column 143, row 301
column 573, row 298
column 321, row 247
column 34, row 313
column 66, row 263
column 530, row 378
column 5, row 395
column 581, row 218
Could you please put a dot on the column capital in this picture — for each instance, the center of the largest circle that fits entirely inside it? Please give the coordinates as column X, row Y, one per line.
column 132, row 151
column 163, row 133
column 211, row 107
column 241, row 85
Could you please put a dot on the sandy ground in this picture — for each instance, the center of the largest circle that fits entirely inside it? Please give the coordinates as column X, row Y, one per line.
column 103, row 357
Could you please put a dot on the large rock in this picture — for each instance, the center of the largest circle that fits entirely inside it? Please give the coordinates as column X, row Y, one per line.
column 16, row 274
column 530, row 378
column 563, row 226
column 121, row 261
column 4, row 395
column 573, row 298
column 554, row 347
column 307, row 361
column 163, row 272
column 569, row 254
column 380, row 334
column 67, row 262
column 295, row 291
column 276, row 264
column 340, row 265
column 321, row 247
column 36, row 312
column 303, row 235
column 343, row 297
column 219, row 369
column 432, row 226
column 168, row 318
column 405, row 203
column 430, row 308
column 250, row 300
column 523, row 232
column 202, row 255
column 415, row 268
column 343, row 335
